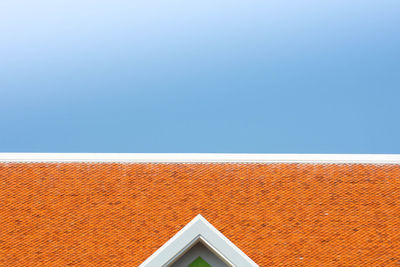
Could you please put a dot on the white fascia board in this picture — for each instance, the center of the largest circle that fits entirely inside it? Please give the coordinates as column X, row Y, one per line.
column 199, row 229
column 202, row 158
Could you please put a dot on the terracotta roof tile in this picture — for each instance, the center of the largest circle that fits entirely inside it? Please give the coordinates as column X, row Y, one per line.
column 104, row 214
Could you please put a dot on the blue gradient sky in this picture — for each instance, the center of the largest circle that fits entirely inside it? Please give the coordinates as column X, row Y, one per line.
column 200, row 76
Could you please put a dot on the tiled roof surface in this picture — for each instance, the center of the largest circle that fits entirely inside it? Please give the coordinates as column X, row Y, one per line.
column 113, row 214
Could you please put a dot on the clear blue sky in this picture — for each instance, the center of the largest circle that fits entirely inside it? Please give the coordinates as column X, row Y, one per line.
column 200, row 76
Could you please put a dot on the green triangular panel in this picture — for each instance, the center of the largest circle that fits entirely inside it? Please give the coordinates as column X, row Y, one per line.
column 199, row 262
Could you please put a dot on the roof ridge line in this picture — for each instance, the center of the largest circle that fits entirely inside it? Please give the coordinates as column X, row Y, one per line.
column 201, row 158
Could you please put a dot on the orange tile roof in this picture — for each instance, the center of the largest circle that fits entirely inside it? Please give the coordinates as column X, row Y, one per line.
column 105, row 214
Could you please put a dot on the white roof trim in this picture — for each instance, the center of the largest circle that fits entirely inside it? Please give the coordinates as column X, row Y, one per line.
column 199, row 229
column 202, row 158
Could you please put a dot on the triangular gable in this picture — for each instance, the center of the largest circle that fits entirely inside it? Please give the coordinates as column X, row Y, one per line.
column 198, row 230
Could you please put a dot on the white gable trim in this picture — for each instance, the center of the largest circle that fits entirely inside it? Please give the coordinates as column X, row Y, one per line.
column 198, row 230
column 202, row 158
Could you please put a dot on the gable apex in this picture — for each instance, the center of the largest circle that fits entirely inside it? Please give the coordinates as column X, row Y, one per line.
column 198, row 230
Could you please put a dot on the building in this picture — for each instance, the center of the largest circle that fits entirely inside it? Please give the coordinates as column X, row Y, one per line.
column 199, row 210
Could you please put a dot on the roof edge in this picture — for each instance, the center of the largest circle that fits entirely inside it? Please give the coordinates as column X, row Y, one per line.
column 201, row 158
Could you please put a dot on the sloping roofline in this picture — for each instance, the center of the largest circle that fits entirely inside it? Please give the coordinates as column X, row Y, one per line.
column 198, row 230
column 202, row 158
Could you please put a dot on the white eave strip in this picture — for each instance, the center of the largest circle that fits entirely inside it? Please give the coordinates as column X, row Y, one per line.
column 202, row 158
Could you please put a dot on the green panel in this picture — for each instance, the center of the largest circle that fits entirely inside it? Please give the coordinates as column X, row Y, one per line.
column 199, row 262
